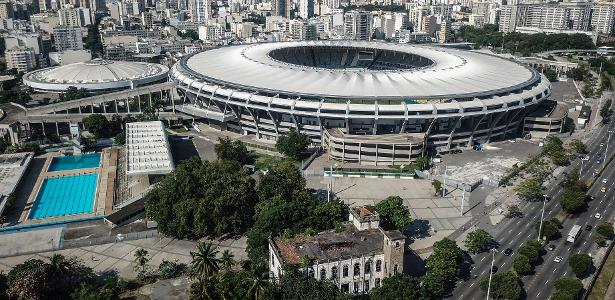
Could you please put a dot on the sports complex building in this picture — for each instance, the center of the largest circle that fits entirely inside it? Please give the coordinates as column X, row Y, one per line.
column 365, row 102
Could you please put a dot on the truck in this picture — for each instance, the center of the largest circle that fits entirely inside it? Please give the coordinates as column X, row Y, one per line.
column 574, row 233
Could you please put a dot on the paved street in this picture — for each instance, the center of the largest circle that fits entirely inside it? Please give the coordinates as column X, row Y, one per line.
column 512, row 233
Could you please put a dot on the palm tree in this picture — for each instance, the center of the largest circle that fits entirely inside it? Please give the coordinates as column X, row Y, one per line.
column 204, row 289
column 259, row 285
column 227, row 259
column 59, row 264
column 205, row 262
column 141, row 259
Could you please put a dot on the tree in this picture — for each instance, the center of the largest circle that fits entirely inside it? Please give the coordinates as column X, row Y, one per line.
column 393, row 213
column 169, row 269
column 514, row 211
column 437, row 186
column 443, row 267
column 296, row 286
column 399, row 286
column 606, row 230
column 578, row 147
column 506, row 285
column 478, row 241
column 550, row 74
column 553, row 144
column 422, row 162
column 227, row 260
column 605, row 110
column 581, row 264
column 73, row 93
column 530, row 189
column 202, row 198
column 141, row 260
column 233, row 150
column 120, row 138
column 560, row 158
column 532, row 250
column 521, row 265
column 601, row 240
column 259, row 285
column 205, row 262
column 550, row 229
column 293, row 144
column 567, row 288
column 36, row 279
column 572, row 201
column 97, row 125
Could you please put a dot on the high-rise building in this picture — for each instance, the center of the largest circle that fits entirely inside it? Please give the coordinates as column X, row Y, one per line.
column 6, row 10
column 44, row 5
column 306, row 9
column 358, row 25
column 146, row 20
column 200, row 10
column 301, row 30
column 75, row 17
column 24, row 40
column 67, row 38
column 603, row 19
column 20, row 58
column 444, row 35
column 575, row 16
column 282, row 8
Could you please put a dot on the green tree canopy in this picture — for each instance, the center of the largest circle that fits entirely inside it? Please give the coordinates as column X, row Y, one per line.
column 578, row 147
column 550, row 74
column 521, row 265
column 478, row 241
column 393, row 213
column 202, row 198
column 73, row 93
column 567, row 288
column 550, row 229
column 606, row 230
column 233, row 150
column 293, row 144
column 506, row 285
column 532, row 250
column 581, row 264
column 399, row 286
column 530, row 189
column 97, row 125
column 443, row 267
column 572, row 201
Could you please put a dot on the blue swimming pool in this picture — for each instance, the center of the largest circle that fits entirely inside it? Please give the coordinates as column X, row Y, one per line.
column 73, row 162
column 62, row 196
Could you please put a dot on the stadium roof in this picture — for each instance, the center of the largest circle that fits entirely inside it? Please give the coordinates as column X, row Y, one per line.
column 147, row 149
column 452, row 73
column 96, row 75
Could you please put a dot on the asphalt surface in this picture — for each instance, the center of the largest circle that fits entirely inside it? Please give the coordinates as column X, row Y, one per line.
column 512, row 233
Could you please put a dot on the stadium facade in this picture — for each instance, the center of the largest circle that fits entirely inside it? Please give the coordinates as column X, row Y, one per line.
column 366, row 102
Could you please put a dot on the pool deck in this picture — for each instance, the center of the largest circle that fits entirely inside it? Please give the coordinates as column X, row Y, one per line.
column 104, row 190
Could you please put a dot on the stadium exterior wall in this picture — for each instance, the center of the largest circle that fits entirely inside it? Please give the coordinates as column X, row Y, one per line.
column 376, row 132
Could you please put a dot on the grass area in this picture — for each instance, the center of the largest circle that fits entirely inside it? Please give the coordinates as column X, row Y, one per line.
column 604, row 279
column 264, row 161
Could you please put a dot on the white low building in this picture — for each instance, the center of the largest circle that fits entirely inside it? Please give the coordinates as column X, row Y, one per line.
column 12, row 169
column 147, row 149
column 356, row 259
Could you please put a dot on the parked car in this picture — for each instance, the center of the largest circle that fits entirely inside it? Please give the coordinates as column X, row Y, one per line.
column 508, row 251
column 558, row 259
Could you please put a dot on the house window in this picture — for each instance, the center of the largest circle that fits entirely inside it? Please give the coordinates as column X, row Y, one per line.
column 355, row 288
column 323, row 274
column 345, row 271
column 377, row 282
column 366, row 286
column 334, row 273
column 395, row 269
column 311, row 273
column 397, row 244
column 357, row 269
column 378, row 265
column 345, row 287
column 368, row 267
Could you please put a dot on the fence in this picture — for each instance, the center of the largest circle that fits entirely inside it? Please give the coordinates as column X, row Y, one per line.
column 370, row 173
column 306, row 162
column 66, row 244
column 468, row 187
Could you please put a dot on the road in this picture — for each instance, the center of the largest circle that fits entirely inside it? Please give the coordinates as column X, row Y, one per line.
column 514, row 232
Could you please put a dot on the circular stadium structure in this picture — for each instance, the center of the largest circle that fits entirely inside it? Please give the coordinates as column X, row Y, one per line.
column 96, row 76
column 367, row 102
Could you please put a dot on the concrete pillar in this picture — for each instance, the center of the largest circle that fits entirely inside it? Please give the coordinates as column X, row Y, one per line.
column 127, row 104
column 116, row 110
column 92, row 110
column 79, row 108
column 139, row 102
column 150, row 99
column 57, row 129
column 104, row 105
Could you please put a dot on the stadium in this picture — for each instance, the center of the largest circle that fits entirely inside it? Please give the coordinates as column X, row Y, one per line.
column 96, row 76
column 365, row 102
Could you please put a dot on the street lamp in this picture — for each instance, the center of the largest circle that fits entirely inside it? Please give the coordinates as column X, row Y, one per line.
column 582, row 160
column 607, row 146
column 493, row 251
column 330, row 182
column 542, row 215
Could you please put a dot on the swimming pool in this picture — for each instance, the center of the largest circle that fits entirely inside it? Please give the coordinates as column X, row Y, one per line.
column 62, row 196
column 73, row 162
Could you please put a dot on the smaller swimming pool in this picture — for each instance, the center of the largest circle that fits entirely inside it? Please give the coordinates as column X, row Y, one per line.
column 74, row 162
column 62, row 196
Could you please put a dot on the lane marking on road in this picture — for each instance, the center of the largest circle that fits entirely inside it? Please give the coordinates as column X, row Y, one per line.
column 472, row 284
column 554, row 270
column 518, row 234
column 547, row 281
column 538, row 294
column 510, row 230
column 565, row 273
